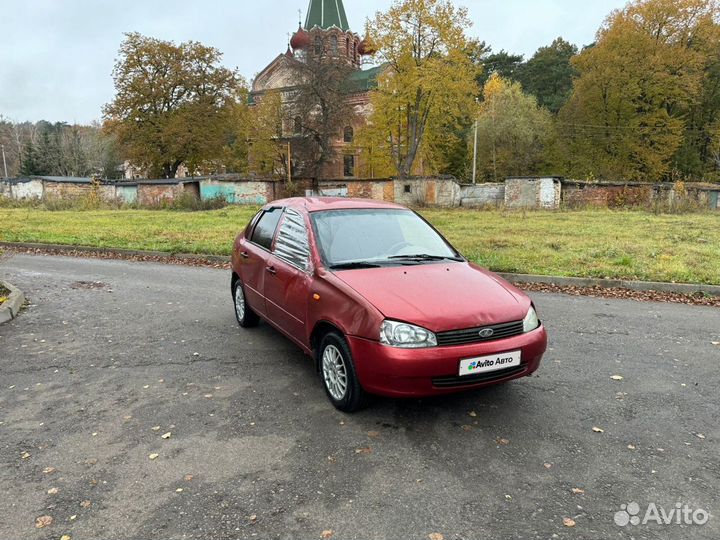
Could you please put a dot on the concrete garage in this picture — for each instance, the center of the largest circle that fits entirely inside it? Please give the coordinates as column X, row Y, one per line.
column 110, row 356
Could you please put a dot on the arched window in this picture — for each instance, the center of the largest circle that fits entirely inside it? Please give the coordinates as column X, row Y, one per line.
column 348, row 134
column 333, row 45
column 297, row 125
column 318, row 46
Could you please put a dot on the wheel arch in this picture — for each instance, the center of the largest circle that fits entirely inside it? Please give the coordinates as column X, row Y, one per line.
column 321, row 329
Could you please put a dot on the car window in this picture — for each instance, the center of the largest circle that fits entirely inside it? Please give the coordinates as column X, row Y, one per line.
column 375, row 235
column 265, row 229
column 291, row 243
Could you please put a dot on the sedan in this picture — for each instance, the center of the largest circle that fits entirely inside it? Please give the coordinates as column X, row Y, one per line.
column 381, row 301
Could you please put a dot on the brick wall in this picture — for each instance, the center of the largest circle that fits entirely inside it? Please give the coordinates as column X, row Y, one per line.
column 65, row 190
column 156, row 194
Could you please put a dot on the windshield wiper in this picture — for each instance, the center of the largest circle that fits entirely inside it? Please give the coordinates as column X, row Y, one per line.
column 425, row 257
column 353, row 265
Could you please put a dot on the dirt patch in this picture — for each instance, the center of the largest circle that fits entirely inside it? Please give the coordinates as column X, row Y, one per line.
column 698, row 299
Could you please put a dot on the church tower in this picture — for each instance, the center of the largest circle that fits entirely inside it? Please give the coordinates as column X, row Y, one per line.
column 326, row 35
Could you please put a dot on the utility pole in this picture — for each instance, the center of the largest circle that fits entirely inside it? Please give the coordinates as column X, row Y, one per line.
column 289, row 165
column 475, row 153
column 4, row 162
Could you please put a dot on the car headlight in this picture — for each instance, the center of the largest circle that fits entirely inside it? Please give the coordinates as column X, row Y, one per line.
column 406, row 336
column 531, row 321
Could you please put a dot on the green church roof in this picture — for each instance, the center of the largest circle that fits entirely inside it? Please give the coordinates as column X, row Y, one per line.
column 326, row 14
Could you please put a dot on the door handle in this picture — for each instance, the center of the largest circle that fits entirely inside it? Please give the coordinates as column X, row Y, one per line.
column 271, row 270
column 244, row 255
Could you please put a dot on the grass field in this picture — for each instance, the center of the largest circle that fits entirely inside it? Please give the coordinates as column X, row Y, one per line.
column 588, row 243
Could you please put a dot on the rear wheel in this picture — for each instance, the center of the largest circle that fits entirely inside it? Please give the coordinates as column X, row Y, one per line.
column 244, row 314
column 338, row 374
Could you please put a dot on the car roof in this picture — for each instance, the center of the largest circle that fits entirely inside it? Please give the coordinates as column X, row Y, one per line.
column 318, row 204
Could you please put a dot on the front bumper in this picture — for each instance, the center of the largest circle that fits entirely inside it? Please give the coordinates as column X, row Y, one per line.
column 395, row 372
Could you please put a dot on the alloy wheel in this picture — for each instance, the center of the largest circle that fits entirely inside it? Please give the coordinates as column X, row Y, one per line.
column 334, row 372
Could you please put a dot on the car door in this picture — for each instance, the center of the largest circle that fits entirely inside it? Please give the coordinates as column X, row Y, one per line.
column 255, row 255
column 288, row 279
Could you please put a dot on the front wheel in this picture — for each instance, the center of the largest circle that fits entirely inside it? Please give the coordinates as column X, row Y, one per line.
column 244, row 314
column 338, row 374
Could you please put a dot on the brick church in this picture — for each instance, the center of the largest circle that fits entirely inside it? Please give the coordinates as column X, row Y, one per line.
column 326, row 32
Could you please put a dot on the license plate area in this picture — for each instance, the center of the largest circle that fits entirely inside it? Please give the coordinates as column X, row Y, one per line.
column 487, row 364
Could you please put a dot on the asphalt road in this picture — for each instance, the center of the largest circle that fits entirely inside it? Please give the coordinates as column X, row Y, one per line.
column 109, row 350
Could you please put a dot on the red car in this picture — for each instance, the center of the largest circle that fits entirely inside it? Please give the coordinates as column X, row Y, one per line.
column 381, row 301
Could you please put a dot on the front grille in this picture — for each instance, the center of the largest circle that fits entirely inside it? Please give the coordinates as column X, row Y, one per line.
column 453, row 382
column 472, row 335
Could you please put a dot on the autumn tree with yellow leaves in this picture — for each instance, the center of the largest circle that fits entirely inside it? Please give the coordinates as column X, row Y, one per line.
column 174, row 104
column 645, row 90
column 513, row 131
column 428, row 85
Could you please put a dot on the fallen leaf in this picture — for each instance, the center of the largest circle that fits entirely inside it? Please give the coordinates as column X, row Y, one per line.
column 252, row 517
column 617, row 377
column 65, row 537
column 466, row 428
column 502, row 441
column 146, row 386
column 364, row 450
column 188, row 477
column 598, row 430
column 715, row 342
column 73, row 517
column 569, row 522
column 25, row 455
column 85, row 504
column 43, row 521
column 631, row 447
column 49, row 470
column 472, row 413
column 547, row 465
column 373, row 434
column 167, row 435
column 436, row 536
column 179, row 490
column 156, row 428
column 578, row 491
column 52, row 491
column 208, row 396
column 326, row 533
column 153, row 456
column 700, row 435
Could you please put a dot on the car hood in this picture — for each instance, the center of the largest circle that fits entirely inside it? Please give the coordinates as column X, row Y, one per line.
column 439, row 297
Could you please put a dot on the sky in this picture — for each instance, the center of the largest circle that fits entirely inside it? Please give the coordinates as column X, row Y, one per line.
column 56, row 56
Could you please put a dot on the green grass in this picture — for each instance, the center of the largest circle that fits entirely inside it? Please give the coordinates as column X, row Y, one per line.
column 588, row 243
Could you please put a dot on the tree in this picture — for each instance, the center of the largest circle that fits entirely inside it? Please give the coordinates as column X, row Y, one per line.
column 627, row 116
column 504, row 64
column 513, row 131
column 267, row 152
column 548, row 75
column 173, row 103
column 29, row 161
column 320, row 110
column 429, row 77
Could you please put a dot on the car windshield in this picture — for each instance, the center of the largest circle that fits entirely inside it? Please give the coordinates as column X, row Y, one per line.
column 374, row 237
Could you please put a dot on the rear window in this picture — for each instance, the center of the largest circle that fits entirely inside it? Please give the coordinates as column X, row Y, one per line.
column 265, row 228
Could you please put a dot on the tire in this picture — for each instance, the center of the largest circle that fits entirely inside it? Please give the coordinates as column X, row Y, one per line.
column 337, row 372
column 244, row 314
